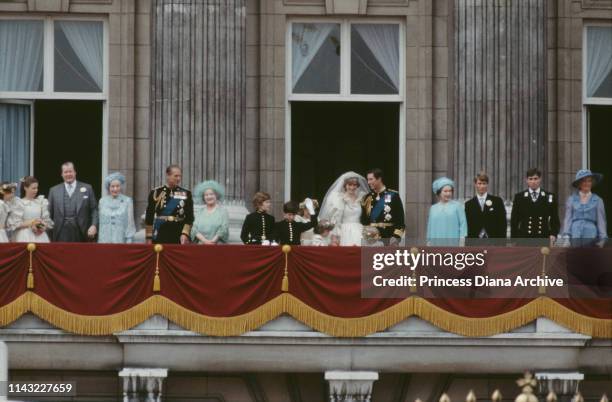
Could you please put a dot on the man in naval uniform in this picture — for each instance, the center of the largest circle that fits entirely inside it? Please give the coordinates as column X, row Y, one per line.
column 535, row 212
column 382, row 208
column 169, row 211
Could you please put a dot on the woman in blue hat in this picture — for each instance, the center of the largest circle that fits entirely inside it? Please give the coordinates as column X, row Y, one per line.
column 116, row 212
column 585, row 215
column 211, row 225
column 446, row 225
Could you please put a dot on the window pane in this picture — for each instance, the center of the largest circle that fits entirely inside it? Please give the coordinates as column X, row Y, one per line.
column 599, row 62
column 316, row 58
column 375, row 59
column 21, row 55
column 78, row 56
column 14, row 141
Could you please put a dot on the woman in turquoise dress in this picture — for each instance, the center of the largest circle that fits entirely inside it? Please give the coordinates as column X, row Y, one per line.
column 116, row 212
column 446, row 225
column 211, row 224
column 585, row 215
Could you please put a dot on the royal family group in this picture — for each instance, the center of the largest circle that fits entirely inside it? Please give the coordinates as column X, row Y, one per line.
column 356, row 211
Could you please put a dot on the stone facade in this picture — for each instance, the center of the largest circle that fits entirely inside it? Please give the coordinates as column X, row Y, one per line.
column 429, row 84
column 406, row 355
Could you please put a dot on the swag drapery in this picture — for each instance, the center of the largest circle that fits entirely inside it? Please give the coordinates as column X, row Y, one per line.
column 97, row 289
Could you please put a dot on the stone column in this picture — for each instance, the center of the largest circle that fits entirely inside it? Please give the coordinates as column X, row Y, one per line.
column 198, row 96
column 3, row 370
column 564, row 385
column 350, row 386
column 499, row 93
column 142, row 384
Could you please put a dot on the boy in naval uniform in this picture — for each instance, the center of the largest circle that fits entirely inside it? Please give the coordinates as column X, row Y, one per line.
column 535, row 212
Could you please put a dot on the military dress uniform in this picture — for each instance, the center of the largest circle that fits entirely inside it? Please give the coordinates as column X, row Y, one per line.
column 257, row 227
column 534, row 215
column 169, row 214
column 385, row 211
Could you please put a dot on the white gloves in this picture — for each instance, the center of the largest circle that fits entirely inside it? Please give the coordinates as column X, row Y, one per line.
column 309, row 206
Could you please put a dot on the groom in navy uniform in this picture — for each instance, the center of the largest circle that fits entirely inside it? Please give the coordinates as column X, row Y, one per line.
column 486, row 215
column 382, row 208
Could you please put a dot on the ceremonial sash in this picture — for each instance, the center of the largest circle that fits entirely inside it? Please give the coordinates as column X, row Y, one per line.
column 171, row 205
column 378, row 208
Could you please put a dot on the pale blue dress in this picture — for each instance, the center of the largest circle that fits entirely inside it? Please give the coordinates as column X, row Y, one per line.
column 211, row 224
column 116, row 219
column 446, row 224
column 585, row 223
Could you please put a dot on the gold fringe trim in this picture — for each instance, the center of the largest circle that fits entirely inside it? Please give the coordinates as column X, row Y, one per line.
column 287, row 303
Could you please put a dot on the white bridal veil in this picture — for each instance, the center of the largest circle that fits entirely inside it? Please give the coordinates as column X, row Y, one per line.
column 336, row 193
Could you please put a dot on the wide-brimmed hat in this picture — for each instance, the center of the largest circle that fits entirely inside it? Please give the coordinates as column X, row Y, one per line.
column 584, row 173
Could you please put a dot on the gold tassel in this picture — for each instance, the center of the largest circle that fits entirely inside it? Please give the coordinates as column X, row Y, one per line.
column 285, row 284
column 156, row 281
column 545, row 252
column 30, row 282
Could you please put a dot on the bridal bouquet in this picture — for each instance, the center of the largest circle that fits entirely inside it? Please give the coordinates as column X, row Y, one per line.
column 371, row 233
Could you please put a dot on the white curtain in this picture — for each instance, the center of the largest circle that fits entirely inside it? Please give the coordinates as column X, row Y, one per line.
column 14, row 141
column 383, row 42
column 85, row 38
column 599, row 57
column 21, row 55
column 307, row 39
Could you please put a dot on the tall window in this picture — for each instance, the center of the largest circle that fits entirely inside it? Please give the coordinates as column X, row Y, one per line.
column 51, row 57
column 597, row 101
column 44, row 58
column 598, row 78
column 345, row 60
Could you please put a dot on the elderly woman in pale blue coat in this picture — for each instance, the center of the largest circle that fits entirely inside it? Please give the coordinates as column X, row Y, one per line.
column 116, row 212
column 585, row 215
column 211, row 224
column 446, row 225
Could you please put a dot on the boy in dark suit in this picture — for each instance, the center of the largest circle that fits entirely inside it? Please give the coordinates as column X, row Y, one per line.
column 486, row 214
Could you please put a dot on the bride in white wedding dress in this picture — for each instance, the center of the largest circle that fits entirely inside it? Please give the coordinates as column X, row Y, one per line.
column 342, row 207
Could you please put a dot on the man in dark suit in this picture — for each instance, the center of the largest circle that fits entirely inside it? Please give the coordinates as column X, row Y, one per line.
column 486, row 214
column 535, row 212
column 73, row 208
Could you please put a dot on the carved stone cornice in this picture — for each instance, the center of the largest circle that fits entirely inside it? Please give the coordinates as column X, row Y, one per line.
column 597, row 4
